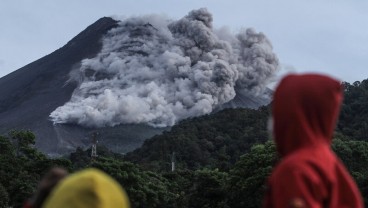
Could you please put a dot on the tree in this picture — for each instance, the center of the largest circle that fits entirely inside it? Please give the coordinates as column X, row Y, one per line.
column 248, row 176
column 24, row 141
column 208, row 189
column 144, row 188
column 354, row 155
column 22, row 166
column 353, row 120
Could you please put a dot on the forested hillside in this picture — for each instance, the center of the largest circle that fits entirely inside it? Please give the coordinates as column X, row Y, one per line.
column 222, row 160
column 212, row 141
column 354, row 112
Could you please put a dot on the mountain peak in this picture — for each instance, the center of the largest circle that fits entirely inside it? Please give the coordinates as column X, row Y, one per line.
column 123, row 78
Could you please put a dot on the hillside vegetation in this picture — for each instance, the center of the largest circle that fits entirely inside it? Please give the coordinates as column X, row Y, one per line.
column 212, row 141
column 354, row 112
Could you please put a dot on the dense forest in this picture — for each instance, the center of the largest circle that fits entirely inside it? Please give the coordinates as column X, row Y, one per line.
column 221, row 160
column 354, row 112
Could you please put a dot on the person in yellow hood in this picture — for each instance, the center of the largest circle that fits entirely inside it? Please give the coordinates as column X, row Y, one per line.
column 88, row 188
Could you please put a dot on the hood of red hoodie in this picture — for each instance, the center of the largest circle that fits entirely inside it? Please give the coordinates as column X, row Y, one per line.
column 305, row 109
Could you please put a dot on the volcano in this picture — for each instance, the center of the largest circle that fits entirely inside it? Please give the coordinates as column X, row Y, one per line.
column 46, row 96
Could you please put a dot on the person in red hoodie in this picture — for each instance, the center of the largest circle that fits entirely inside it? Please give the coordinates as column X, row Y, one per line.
column 305, row 110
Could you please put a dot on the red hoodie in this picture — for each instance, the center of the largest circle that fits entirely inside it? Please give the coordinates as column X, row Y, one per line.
column 305, row 110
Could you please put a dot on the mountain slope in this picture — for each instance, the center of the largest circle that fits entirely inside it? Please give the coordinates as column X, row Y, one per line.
column 29, row 94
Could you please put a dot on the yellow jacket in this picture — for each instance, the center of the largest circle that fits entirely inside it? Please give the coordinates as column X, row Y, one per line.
column 88, row 188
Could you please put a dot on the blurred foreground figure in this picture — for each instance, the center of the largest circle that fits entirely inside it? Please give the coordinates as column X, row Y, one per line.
column 88, row 188
column 46, row 185
column 305, row 110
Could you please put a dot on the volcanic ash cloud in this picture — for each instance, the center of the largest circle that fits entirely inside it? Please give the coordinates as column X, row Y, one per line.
column 157, row 71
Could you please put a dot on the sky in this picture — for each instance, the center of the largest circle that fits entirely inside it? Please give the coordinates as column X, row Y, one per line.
column 324, row 36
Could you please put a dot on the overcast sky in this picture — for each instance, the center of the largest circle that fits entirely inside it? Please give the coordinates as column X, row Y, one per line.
column 327, row 36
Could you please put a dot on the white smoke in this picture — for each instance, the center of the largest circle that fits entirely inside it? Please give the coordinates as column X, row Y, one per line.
column 155, row 71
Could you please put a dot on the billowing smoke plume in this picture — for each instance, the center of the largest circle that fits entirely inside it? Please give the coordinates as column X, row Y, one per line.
column 155, row 71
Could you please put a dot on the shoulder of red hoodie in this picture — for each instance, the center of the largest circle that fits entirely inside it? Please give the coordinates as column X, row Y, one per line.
column 313, row 177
